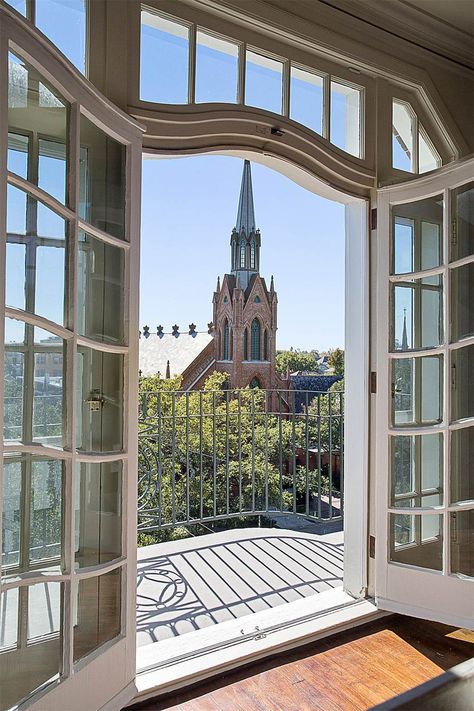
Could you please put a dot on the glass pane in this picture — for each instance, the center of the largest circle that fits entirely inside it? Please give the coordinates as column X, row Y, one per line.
column 462, row 201
column 417, row 396
column 48, row 427
column 417, row 470
column 417, row 235
column 100, row 401
column 462, row 459
column 36, row 258
column 19, row 5
column 217, row 69
column 34, row 107
column 462, row 302
column 64, row 22
column 25, row 669
column 98, row 513
column 403, row 126
column 8, row 619
column 345, row 119
column 18, row 149
column 46, row 504
column 417, row 540
column 164, row 60
column 52, row 168
column 100, row 289
column 263, row 82
column 12, row 478
column 462, row 382
column 462, row 542
column 417, row 314
column 102, row 177
column 306, row 98
column 428, row 157
column 13, row 395
column 98, row 612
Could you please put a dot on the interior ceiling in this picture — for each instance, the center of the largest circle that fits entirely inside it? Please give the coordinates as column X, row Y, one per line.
column 442, row 26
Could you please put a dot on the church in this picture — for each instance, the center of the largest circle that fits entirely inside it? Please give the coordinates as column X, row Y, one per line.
column 241, row 339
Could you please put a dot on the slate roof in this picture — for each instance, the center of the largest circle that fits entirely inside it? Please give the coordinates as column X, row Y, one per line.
column 310, row 381
column 181, row 350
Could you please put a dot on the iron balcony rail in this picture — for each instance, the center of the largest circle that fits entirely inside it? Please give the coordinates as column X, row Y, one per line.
column 215, row 454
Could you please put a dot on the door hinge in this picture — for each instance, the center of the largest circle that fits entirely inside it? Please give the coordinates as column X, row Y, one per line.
column 373, row 382
column 372, row 546
column 373, row 219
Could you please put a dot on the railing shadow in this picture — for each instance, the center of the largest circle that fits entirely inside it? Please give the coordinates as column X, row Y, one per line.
column 217, row 580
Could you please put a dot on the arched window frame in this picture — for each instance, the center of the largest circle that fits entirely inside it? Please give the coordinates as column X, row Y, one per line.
column 255, row 338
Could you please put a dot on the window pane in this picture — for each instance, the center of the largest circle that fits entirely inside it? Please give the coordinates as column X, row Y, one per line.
column 417, row 540
column 100, row 289
column 345, row 118
column 164, row 60
column 418, row 314
column 25, row 669
column 462, row 542
column 18, row 148
column 98, row 612
column 417, row 470
column 13, row 395
column 216, row 69
column 417, row 235
column 8, row 619
column 98, row 513
column 462, row 458
column 306, row 98
column 34, row 107
column 462, row 201
column 64, row 22
column 46, row 504
column 102, row 178
column 428, row 157
column 417, row 390
column 12, row 477
column 263, row 82
column 48, row 427
column 100, row 401
column 19, row 5
column 462, row 381
column 462, row 302
column 403, row 126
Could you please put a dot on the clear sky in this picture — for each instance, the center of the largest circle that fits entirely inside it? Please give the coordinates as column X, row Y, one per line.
column 189, row 208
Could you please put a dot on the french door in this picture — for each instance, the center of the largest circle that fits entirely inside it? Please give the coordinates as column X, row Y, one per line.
column 425, row 397
column 69, row 201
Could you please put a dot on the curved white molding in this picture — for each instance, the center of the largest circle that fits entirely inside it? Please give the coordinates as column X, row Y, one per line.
column 230, row 129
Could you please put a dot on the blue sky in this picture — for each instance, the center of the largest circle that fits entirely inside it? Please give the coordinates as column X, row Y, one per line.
column 189, row 208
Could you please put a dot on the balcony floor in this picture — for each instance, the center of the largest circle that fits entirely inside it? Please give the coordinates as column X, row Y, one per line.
column 198, row 582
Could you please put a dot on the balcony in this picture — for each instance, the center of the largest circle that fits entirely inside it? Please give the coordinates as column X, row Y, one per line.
column 240, row 512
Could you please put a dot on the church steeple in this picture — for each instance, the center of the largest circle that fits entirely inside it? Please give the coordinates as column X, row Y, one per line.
column 404, row 332
column 245, row 239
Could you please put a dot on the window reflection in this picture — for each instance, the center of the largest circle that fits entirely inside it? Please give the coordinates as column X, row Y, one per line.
column 417, row 540
column 98, row 612
column 417, row 235
column 462, row 237
column 417, row 395
column 417, row 470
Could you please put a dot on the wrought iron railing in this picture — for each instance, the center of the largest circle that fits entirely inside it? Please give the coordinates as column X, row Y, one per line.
column 210, row 455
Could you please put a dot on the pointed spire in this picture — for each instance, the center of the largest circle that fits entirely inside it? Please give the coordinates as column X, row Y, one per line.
column 218, row 287
column 246, row 212
column 404, row 332
column 168, row 374
column 272, row 285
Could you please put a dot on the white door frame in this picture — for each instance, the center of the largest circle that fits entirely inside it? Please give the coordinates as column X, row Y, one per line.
column 407, row 589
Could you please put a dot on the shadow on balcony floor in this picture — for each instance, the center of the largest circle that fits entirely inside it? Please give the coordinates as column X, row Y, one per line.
column 186, row 585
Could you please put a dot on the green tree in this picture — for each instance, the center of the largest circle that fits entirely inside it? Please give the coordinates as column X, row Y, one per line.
column 336, row 360
column 295, row 360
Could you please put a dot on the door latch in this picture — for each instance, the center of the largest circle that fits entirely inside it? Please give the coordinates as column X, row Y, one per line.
column 96, row 401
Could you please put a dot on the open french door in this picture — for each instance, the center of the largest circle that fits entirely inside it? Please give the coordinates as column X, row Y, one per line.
column 69, row 242
column 424, row 551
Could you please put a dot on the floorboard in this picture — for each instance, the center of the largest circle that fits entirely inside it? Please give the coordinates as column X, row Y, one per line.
column 351, row 671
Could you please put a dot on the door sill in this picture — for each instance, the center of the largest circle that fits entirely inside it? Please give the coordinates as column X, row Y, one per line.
column 172, row 664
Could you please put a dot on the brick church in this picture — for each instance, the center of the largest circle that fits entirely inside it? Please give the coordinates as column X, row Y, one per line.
column 241, row 339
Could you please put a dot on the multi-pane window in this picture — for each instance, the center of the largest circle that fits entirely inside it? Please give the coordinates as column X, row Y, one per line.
column 412, row 150
column 67, row 251
column 64, row 22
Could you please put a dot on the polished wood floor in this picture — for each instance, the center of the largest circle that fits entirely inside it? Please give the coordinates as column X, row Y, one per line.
column 352, row 670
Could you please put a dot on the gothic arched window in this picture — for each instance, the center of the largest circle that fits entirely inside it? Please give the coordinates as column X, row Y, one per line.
column 255, row 383
column 242, row 255
column 265, row 345
column 246, row 344
column 225, row 341
column 255, row 338
column 252, row 255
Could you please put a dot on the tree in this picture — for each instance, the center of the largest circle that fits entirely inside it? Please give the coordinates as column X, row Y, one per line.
column 336, row 360
column 295, row 360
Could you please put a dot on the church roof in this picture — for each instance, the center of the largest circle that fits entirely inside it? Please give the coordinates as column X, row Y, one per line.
column 246, row 212
column 180, row 351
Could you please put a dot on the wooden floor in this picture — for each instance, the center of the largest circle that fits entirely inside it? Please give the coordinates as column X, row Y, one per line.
column 351, row 671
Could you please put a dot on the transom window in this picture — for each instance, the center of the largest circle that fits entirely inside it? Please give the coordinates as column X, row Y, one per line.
column 412, row 150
